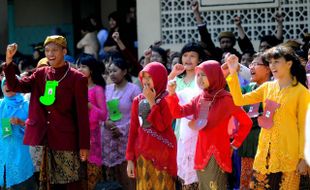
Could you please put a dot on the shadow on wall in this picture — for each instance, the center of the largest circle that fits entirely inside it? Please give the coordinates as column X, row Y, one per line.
column 25, row 36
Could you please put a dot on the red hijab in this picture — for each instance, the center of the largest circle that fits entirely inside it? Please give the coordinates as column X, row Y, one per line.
column 159, row 76
column 216, row 79
column 216, row 90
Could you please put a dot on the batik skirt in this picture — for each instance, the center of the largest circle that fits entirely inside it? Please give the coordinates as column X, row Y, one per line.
column 148, row 177
column 246, row 172
column 212, row 177
column 282, row 181
column 60, row 167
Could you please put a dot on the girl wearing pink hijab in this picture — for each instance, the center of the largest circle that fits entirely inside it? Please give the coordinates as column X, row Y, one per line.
column 212, row 110
column 151, row 149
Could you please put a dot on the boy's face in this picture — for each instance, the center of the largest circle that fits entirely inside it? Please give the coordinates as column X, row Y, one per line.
column 226, row 43
column 55, row 54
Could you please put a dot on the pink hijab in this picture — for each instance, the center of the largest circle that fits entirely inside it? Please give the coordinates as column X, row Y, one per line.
column 216, row 79
column 216, row 90
column 159, row 76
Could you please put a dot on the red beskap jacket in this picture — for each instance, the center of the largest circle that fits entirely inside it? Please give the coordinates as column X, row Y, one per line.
column 65, row 124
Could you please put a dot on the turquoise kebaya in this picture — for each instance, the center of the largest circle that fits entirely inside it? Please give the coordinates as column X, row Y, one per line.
column 15, row 157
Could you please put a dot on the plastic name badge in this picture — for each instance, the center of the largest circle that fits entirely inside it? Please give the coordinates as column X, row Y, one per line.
column 144, row 110
column 113, row 109
column 6, row 127
column 253, row 110
column 202, row 118
column 266, row 120
column 49, row 96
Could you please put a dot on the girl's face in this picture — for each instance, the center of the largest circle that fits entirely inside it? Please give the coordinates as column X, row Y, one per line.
column 36, row 55
column 156, row 57
column 7, row 92
column 280, row 68
column 259, row 71
column 85, row 70
column 202, row 80
column 112, row 23
column 190, row 60
column 175, row 61
column 1, row 75
column 116, row 74
column 147, row 80
column 246, row 59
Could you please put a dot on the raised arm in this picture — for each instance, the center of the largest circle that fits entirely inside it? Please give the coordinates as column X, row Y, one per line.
column 205, row 36
column 127, row 54
column 10, row 52
column 253, row 97
column 279, row 19
column 147, row 56
column 176, row 70
column 14, row 84
column 244, row 42
column 176, row 109
column 241, row 32
column 195, row 8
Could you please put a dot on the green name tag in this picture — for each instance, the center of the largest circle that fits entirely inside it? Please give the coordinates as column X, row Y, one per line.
column 50, row 93
column 6, row 127
column 114, row 112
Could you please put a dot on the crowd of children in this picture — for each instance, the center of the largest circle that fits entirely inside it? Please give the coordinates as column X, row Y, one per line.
column 168, row 121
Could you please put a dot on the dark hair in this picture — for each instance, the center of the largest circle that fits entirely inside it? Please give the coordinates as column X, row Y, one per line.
column 95, row 20
column 196, row 47
column 174, row 55
column 249, row 51
column 302, row 54
column 122, row 64
column 271, row 40
column 261, row 55
column 87, row 25
column 297, row 70
column 115, row 16
column 26, row 64
column 162, row 53
column 96, row 68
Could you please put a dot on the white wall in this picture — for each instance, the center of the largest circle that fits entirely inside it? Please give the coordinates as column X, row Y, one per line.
column 148, row 21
